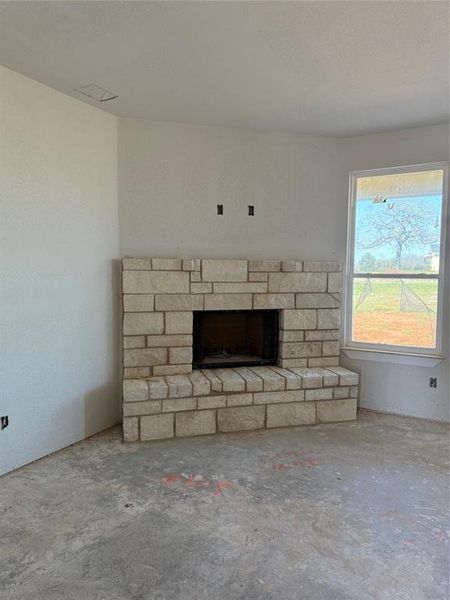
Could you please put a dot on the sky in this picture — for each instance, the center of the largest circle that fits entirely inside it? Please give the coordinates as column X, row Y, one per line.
column 366, row 209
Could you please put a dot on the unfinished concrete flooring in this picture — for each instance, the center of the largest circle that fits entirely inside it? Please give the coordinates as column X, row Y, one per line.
column 344, row 511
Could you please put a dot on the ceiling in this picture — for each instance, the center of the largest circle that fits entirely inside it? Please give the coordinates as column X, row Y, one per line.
column 328, row 68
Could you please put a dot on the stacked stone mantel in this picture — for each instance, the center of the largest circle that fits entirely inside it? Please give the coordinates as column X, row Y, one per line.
column 159, row 297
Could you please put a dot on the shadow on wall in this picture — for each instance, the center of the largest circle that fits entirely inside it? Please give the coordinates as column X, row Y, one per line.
column 106, row 400
column 116, row 290
column 98, row 403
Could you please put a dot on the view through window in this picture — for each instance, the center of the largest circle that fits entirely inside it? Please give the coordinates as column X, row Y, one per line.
column 395, row 257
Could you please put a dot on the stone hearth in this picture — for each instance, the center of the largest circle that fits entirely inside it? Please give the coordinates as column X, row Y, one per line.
column 163, row 396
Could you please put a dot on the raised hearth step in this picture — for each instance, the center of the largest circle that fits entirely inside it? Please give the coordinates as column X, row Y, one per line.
column 239, row 399
column 237, row 381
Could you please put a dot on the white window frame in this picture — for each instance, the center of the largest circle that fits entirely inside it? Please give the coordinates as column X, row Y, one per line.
column 408, row 351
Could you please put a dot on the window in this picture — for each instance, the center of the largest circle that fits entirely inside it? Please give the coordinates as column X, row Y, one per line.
column 395, row 259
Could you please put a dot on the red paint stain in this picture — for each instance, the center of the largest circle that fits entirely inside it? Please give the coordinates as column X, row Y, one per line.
column 409, row 542
column 170, row 479
column 291, row 459
column 222, row 484
column 197, row 482
column 279, row 466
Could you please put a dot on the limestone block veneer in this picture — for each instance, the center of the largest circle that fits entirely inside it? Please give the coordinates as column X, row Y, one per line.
column 307, row 386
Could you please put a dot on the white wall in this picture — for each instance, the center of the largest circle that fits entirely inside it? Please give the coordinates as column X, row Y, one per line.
column 59, row 234
column 391, row 387
column 171, row 176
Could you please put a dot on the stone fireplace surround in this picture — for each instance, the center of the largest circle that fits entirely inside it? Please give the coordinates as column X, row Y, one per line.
column 163, row 397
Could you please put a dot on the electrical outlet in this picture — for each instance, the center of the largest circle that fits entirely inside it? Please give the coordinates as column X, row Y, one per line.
column 4, row 422
column 251, row 210
column 433, row 382
column 220, row 209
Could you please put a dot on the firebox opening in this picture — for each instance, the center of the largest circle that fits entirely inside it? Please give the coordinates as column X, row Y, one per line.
column 235, row 338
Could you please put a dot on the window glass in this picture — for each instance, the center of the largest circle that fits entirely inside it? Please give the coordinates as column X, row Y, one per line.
column 398, row 223
column 396, row 312
column 396, row 269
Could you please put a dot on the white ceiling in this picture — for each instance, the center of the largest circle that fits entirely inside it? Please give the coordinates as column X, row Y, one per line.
column 329, row 68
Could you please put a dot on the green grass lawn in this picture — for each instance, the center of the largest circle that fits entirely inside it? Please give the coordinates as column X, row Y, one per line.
column 386, row 294
column 385, row 316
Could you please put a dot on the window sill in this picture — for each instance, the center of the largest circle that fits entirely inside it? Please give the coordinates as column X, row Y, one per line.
column 391, row 356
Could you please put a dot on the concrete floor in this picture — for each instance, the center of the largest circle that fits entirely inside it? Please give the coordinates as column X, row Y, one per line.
column 346, row 511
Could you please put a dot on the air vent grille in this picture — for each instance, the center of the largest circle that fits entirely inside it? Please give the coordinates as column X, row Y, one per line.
column 94, row 91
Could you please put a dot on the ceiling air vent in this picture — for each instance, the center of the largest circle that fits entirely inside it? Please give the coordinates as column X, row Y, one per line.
column 94, row 91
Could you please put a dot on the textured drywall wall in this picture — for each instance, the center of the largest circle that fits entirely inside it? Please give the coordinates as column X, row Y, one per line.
column 172, row 176
column 387, row 386
column 59, row 234
column 58, row 311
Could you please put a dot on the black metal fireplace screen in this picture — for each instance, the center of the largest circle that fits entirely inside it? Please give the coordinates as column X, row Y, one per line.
column 233, row 338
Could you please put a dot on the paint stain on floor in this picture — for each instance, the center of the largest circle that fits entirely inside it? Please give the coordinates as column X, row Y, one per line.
column 291, row 459
column 349, row 511
column 198, row 482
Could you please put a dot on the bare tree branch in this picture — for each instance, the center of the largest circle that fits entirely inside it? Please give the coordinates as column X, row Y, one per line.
column 397, row 227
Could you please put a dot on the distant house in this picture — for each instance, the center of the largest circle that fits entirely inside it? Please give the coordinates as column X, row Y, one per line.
column 432, row 258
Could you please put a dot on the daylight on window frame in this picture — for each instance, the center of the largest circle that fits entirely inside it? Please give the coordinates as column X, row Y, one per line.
column 395, row 259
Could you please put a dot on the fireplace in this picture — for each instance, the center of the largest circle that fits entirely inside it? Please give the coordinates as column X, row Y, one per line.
column 245, row 314
column 233, row 338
